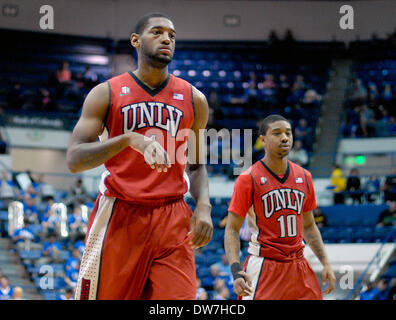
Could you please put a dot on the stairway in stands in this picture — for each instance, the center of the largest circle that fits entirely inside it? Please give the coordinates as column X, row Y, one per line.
column 326, row 142
column 12, row 267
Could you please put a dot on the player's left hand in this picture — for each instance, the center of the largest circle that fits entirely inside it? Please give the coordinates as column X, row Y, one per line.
column 328, row 274
column 201, row 226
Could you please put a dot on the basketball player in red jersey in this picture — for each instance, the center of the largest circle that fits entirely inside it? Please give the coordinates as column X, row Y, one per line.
column 277, row 196
column 141, row 233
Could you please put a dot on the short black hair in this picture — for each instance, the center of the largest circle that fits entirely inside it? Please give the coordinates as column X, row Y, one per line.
column 143, row 21
column 268, row 120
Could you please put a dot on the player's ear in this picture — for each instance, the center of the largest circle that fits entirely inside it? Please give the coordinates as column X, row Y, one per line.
column 135, row 40
column 262, row 138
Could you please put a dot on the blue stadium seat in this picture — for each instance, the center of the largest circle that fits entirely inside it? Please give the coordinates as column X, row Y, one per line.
column 33, row 254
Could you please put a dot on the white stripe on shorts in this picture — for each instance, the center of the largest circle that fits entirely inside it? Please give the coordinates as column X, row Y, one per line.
column 253, row 269
column 90, row 262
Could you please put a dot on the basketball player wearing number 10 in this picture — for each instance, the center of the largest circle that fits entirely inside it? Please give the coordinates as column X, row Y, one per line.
column 141, row 234
column 278, row 197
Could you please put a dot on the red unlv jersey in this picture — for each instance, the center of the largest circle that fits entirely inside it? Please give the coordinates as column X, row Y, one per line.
column 166, row 113
column 274, row 206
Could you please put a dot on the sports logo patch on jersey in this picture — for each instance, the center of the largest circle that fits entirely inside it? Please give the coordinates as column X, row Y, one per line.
column 263, row 180
column 178, row 96
column 299, row 180
column 125, row 91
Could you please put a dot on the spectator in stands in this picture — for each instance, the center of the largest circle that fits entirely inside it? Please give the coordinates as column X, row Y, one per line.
column 23, row 235
column 392, row 290
column 338, row 183
column 347, row 130
column 224, row 266
column 5, row 290
column 367, row 121
column 392, row 126
column 51, row 251
column 77, row 224
column 78, row 194
column 387, row 94
column 68, row 295
column 370, row 291
column 200, row 290
column 387, row 217
column 319, row 217
column 74, row 260
column 222, row 294
column 45, row 102
column 372, row 188
column 63, row 74
column 382, row 290
column 3, row 144
column 45, row 190
column 304, row 133
column 17, row 294
column 63, row 79
column 71, row 276
column 389, row 186
column 203, row 295
column 30, row 209
column 8, row 190
column 298, row 154
column 268, row 90
column 311, row 99
column 15, row 98
column 353, row 186
column 358, row 93
column 90, row 77
column 80, row 244
column 372, row 90
column 50, row 223
column 283, row 89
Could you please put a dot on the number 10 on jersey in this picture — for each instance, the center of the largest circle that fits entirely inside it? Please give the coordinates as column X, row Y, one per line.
column 290, row 227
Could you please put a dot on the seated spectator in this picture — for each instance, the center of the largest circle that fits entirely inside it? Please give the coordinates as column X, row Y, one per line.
column 372, row 188
column 80, row 244
column 8, row 190
column 367, row 121
column 353, row 186
column 45, row 190
column 370, row 291
column 90, row 77
column 200, row 290
column 382, row 290
column 304, row 133
column 30, row 209
column 17, row 294
column 6, row 291
column 3, row 144
column 74, row 260
column 298, row 154
column 50, row 223
column 203, row 295
column 77, row 224
column 23, row 237
column 319, row 217
column 224, row 266
column 389, row 186
column 68, row 295
column 71, row 276
column 283, row 89
column 78, row 194
column 387, row 217
column 358, row 93
column 338, row 183
column 51, row 250
column 392, row 290
column 63, row 74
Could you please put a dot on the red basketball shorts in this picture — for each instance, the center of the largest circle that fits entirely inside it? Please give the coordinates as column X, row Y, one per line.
column 281, row 280
column 137, row 252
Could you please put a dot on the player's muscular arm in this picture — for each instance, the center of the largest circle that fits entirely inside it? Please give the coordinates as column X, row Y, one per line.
column 232, row 245
column 201, row 222
column 84, row 151
column 313, row 237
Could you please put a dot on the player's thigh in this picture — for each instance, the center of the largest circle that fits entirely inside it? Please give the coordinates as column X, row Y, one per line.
column 173, row 277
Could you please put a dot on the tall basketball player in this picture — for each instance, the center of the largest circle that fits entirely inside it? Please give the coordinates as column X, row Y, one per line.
column 141, row 233
column 278, row 197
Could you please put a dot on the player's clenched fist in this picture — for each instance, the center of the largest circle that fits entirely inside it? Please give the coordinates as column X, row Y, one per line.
column 154, row 154
column 242, row 285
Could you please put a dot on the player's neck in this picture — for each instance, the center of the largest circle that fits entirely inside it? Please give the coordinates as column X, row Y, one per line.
column 150, row 76
column 277, row 165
